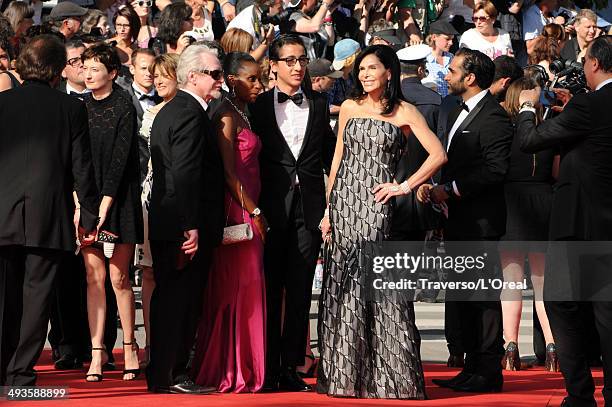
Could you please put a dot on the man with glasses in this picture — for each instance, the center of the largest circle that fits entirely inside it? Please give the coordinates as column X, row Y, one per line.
column 293, row 124
column 67, row 17
column 186, row 217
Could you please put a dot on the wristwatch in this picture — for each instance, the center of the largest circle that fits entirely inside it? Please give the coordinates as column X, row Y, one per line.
column 256, row 212
column 448, row 188
column 527, row 104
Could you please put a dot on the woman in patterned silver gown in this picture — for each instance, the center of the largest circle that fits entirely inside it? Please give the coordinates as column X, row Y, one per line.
column 370, row 349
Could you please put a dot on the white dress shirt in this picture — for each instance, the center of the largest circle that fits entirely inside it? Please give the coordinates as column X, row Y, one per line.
column 604, row 83
column 144, row 103
column 292, row 120
column 71, row 90
column 471, row 104
column 199, row 99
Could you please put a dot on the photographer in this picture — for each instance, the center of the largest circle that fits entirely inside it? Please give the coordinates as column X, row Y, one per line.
column 586, row 27
column 581, row 211
column 317, row 32
column 250, row 19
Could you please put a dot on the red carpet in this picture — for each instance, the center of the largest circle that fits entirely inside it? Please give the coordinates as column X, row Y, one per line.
column 533, row 387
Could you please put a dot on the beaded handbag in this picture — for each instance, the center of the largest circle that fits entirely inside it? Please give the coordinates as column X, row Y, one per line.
column 237, row 233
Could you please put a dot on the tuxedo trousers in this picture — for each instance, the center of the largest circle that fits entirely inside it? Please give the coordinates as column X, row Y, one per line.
column 27, row 276
column 290, row 258
column 176, row 304
column 571, row 331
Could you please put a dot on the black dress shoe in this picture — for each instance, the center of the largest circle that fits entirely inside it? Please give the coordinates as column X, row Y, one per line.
column 270, row 385
column 480, row 384
column 448, row 383
column 455, row 361
column 291, row 381
column 185, row 387
column 68, row 362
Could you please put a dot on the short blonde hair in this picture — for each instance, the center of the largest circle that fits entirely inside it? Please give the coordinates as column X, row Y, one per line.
column 166, row 63
column 488, row 8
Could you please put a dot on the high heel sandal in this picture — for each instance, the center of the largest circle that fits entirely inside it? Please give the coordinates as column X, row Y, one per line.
column 135, row 372
column 511, row 359
column 97, row 376
column 552, row 361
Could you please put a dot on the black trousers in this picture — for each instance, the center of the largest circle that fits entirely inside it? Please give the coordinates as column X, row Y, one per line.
column 69, row 332
column 176, row 305
column 26, row 281
column 290, row 258
column 572, row 337
column 472, row 326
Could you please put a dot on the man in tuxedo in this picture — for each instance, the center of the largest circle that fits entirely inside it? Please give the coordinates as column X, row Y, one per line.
column 186, row 217
column 293, row 123
column 581, row 211
column 143, row 95
column 471, row 183
column 42, row 161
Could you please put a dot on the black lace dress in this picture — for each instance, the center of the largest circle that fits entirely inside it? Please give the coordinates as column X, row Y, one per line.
column 369, row 349
column 114, row 151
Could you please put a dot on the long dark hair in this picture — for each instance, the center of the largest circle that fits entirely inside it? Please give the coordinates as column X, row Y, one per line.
column 392, row 95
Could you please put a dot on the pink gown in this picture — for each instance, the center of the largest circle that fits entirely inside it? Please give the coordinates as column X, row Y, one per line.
column 230, row 351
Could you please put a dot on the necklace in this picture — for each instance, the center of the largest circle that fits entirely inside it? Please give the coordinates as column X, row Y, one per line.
column 240, row 112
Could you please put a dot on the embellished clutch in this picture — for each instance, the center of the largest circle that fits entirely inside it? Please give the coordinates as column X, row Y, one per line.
column 237, row 233
column 106, row 241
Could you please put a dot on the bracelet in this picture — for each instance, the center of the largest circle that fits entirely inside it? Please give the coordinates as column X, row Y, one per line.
column 328, row 23
column 327, row 20
column 405, row 188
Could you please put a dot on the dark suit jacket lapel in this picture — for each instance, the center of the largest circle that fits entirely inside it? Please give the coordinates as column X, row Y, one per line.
column 311, row 116
column 470, row 117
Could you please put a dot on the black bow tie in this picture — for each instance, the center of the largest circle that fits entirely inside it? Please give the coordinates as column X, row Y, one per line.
column 145, row 97
column 77, row 94
column 298, row 98
column 465, row 107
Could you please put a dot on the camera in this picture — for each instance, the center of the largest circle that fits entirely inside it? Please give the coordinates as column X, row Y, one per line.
column 281, row 19
column 568, row 75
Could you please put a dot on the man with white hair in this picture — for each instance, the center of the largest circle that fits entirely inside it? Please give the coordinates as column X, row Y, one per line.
column 185, row 217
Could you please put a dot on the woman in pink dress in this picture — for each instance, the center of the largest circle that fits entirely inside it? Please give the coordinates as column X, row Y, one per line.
column 230, row 350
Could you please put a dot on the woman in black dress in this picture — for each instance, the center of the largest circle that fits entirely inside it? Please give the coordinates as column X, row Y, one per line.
column 528, row 202
column 112, row 130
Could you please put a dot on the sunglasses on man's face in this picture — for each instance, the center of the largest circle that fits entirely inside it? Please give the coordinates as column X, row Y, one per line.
column 217, row 74
column 147, row 3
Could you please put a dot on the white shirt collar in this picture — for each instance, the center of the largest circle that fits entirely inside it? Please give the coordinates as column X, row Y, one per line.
column 70, row 89
column 604, row 83
column 139, row 92
column 473, row 101
column 198, row 98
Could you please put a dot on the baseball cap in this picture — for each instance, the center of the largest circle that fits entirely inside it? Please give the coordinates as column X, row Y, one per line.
column 66, row 9
column 442, row 27
column 390, row 36
column 323, row 67
column 414, row 53
column 342, row 51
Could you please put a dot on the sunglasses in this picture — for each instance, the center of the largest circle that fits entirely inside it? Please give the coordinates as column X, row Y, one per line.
column 217, row 74
column 483, row 19
column 147, row 3
column 290, row 61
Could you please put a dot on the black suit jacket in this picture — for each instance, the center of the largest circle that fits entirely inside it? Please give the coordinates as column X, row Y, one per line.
column 582, row 198
column 143, row 145
column 188, row 181
column 410, row 214
column 570, row 50
column 279, row 167
column 44, row 156
column 478, row 160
